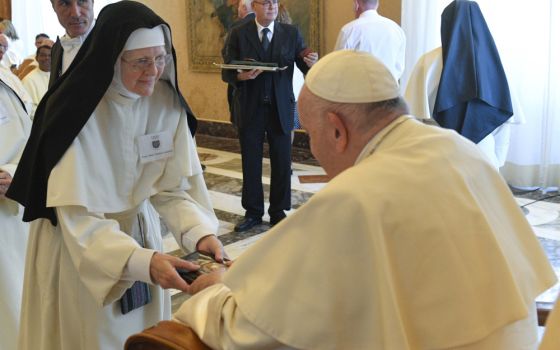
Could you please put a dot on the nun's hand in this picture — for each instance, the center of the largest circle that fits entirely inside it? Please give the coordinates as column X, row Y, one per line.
column 163, row 271
column 211, row 245
column 5, row 181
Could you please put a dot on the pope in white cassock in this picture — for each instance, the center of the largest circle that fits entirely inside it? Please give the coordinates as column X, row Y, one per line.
column 110, row 143
column 15, row 125
column 415, row 243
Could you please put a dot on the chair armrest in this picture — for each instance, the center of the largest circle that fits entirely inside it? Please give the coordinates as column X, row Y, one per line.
column 166, row 335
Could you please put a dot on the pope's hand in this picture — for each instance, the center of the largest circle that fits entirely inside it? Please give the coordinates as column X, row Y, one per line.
column 211, row 245
column 207, row 280
column 163, row 271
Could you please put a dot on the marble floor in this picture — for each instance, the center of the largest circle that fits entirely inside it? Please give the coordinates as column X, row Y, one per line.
column 224, row 179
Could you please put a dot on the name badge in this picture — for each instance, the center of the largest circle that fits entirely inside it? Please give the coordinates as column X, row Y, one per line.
column 4, row 119
column 155, row 146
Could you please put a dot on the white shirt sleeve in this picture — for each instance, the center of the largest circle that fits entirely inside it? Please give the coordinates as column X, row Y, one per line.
column 341, row 40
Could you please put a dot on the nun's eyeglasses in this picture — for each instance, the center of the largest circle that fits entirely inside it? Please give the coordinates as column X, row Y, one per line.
column 144, row 63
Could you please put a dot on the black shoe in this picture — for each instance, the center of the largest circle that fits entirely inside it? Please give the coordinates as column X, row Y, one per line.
column 247, row 223
column 276, row 219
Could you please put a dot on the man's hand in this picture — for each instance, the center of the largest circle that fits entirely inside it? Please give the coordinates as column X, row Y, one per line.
column 248, row 74
column 211, row 244
column 163, row 271
column 206, row 280
column 5, row 181
column 311, row 59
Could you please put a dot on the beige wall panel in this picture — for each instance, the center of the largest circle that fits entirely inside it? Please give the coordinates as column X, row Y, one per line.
column 391, row 9
column 205, row 92
column 6, row 9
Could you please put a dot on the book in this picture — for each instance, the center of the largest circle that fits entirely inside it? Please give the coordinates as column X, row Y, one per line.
column 206, row 262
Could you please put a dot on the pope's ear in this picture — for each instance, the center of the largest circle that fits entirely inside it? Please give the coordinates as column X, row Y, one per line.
column 337, row 131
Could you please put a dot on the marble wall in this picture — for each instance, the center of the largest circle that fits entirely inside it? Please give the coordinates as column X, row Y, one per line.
column 206, row 92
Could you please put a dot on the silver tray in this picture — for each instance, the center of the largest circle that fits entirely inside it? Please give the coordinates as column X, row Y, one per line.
column 249, row 67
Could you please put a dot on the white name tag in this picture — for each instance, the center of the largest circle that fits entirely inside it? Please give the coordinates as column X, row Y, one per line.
column 4, row 119
column 155, row 146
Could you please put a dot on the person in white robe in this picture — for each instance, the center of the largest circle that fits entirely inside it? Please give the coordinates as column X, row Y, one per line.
column 12, row 80
column 375, row 34
column 95, row 271
column 14, row 131
column 40, row 40
column 37, row 82
column 12, row 58
column 474, row 76
column 421, row 92
column 415, row 243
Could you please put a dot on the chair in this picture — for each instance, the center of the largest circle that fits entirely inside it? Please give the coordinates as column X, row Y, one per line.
column 166, row 335
column 25, row 71
column 26, row 62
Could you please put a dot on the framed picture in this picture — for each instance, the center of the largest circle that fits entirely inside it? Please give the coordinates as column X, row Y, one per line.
column 209, row 21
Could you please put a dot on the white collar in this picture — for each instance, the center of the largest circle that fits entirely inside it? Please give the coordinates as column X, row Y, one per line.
column 260, row 27
column 369, row 13
column 69, row 43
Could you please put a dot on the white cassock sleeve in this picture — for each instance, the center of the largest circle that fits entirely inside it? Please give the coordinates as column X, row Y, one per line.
column 214, row 316
column 99, row 251
column 187, row 213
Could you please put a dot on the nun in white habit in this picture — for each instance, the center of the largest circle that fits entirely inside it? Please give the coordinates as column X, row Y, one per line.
column 112, row 142
column 15, row 125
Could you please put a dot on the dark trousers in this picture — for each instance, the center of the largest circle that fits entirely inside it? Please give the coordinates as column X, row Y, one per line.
column 251, row 139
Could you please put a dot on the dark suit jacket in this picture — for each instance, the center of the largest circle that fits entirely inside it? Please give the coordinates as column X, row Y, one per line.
column 230, row 88
column 56, row 62
column 243, row 44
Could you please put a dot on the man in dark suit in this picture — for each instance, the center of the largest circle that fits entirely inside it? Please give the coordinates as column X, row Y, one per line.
column 76, row 16
column 264, row 105
column 245, row 14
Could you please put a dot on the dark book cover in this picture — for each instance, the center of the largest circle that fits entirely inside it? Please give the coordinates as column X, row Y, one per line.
column 205, row 261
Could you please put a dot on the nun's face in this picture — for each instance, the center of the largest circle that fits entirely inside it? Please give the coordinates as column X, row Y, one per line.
column 142, row 68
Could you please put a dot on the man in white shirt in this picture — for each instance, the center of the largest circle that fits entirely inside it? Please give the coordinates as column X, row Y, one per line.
column 375, row 34
column 76, row 16
column 416, row 242
column 37, row 82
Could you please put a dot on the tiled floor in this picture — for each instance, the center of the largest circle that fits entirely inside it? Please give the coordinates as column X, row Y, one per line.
column 223, row 178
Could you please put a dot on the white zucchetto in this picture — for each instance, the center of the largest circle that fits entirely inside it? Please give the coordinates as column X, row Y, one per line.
column 349, row 76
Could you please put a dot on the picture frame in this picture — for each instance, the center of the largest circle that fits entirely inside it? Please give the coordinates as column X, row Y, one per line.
column 209, row 21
